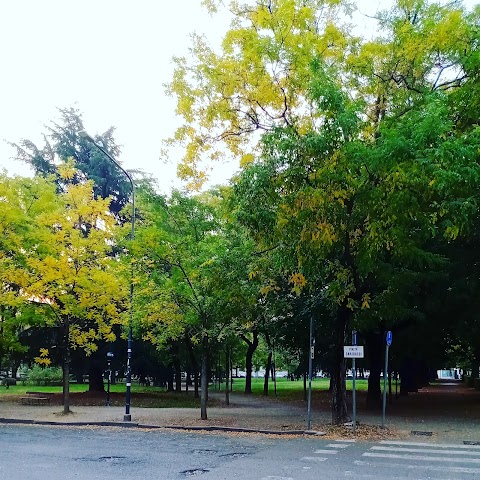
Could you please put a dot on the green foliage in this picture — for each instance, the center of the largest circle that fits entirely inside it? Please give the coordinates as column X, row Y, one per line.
column 62, row 144
column 39, row 375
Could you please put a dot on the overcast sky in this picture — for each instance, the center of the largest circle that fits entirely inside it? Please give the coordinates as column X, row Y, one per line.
column 109, row 58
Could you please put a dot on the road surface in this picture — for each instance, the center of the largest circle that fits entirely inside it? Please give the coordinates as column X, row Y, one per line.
column 61, row 453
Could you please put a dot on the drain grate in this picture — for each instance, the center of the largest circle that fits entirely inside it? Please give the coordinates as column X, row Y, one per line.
column 470, row 442
column 420, row 433
column 194, row 472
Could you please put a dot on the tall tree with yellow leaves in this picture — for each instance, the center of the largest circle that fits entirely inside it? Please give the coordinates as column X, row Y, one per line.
column 70, row 272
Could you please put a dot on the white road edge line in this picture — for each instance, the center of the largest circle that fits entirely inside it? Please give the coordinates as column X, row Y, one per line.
column 329, row 452
column 314, row 459
column 338, row 445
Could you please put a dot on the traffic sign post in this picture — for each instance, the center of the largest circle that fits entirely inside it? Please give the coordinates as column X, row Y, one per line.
column 354, row 374
column 310, row 373
column 353, row 352
column 388, row 339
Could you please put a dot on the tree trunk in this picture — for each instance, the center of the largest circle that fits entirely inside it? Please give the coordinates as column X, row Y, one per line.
column 305, row 374
column 338, row 380
column 374, row 344
column 227, row 375
column 268, row 366
column 268, row 369
column 194, row 364
column 95, row 377
column 204, row 379
column 252, row 346
column 66, row 368
column 178, row 376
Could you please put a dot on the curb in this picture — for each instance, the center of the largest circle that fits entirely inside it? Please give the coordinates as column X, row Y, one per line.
column 211, row 428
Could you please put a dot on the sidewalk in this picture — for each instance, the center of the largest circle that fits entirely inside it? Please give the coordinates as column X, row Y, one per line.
column 449, row 412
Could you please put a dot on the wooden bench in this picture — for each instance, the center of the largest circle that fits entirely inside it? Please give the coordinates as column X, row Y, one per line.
column 36, row 398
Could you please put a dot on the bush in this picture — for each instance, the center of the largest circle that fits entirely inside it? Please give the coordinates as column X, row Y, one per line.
column 45, row 375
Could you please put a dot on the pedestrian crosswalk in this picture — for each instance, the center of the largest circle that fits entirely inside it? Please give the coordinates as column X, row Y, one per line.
column 328, row 450
column 443, row 459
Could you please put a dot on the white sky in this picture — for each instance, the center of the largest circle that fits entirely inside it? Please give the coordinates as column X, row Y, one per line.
column 109, row 58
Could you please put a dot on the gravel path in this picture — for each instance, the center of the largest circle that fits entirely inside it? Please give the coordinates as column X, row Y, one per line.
column 448, row 411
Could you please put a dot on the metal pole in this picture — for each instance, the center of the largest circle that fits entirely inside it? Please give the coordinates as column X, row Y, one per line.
column 385, row 386
column 354, row 375
column 109, row 378
column 310, row 371
column 127, row 417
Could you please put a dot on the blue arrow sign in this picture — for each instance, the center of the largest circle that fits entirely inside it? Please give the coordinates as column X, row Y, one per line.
column 389, row 338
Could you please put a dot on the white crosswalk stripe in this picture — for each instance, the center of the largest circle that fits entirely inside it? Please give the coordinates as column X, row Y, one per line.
column 330, row 449
column 421, row 450
column 314, row 459
column 429, row 445
column 427, row 457
column 433, row 468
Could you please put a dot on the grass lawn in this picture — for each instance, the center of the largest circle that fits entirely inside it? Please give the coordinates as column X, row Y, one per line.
column 154, row 397
column 74, row 388
column 291, row 390
column 158, row 398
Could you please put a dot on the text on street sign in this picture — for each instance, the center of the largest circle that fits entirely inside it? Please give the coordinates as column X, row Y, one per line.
column 352, row 351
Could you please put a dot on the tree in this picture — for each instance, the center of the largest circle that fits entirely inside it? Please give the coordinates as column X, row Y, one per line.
column 257, row 82
column 62, row 143
column 21, row 200
column 358, row 145
column 70, row 274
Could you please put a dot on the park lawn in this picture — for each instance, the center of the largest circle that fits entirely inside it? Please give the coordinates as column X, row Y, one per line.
column 291, row 389
column 74, row 388
column 148, row 397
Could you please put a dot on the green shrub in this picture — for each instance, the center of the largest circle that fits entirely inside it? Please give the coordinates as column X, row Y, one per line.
column 45, row 375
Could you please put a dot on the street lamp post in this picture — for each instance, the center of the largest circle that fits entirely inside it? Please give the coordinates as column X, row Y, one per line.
column 127, row 417
column 109, row 376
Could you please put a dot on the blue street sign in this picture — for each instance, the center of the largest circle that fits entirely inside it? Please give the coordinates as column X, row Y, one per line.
column 354, row 337
column 389, row 338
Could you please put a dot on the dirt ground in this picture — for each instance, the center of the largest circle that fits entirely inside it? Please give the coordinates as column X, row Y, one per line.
column 448, row 411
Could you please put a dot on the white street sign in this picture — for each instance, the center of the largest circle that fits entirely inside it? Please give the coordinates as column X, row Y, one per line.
column 352, row 351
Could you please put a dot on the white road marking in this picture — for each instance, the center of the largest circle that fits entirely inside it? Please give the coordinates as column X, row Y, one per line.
column 331, row 452
column 434, row 445
column 433, row 468
column 314, row 459
column 422, row 457
column 338, row 445
column 345, row 441
column 424, row 450
column 277, row 478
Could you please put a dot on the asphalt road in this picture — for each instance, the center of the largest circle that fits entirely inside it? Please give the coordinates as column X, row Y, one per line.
column 31, row 453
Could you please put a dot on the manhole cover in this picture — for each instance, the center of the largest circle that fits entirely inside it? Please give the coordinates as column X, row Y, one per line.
column 193, row 472
column 419, row 432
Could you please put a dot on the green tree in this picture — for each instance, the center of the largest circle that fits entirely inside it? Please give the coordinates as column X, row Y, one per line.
column 62, row 143
column 70, row 274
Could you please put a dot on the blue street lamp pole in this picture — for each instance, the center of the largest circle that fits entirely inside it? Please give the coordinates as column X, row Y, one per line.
column 127, row 417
